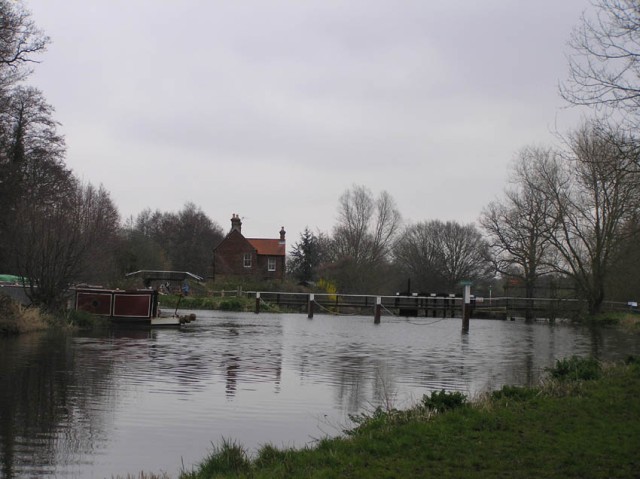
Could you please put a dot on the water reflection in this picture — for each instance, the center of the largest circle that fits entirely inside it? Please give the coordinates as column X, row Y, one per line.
column 43, row 402
column 248, row 353
column 126, row 400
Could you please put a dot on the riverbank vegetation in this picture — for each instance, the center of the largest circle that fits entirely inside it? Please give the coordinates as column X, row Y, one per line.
column 222, row 303
column 581, row 421
column 630, row 321
column 15, row 318
column 18, row 319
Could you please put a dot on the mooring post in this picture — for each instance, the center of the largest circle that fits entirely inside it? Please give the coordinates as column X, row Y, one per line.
column 378, row 310
column 466, row 307
column 434, row 304
column 257, row 302
column 311, row 305
column 452, row 303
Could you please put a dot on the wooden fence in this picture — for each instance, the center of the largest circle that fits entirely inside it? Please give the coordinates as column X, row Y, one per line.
column 434, row 305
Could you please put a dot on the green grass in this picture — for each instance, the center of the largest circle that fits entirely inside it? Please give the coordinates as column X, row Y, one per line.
column 613, row 318
column 204, row 302
column 84, row 320
column 584, row 425
column 226, row 303
column 228, row 458
column 576, row 368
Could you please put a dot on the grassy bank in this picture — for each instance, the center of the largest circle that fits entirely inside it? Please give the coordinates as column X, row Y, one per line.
column 228, row 303
column 627, row 320
column 16, row 318
column 582, row 421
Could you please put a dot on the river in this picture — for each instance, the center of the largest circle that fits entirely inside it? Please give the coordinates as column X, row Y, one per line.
column 94, row 405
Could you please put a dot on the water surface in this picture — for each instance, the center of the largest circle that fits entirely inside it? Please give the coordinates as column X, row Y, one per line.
column 122, row 401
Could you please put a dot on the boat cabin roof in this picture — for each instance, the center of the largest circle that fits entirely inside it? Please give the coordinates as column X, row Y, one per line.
column 153, row 275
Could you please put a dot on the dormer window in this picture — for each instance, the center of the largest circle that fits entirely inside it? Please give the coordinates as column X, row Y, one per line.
column 247, row 260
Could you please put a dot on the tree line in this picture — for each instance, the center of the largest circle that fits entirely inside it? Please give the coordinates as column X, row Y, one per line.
column 568, row 214
column 56, row 230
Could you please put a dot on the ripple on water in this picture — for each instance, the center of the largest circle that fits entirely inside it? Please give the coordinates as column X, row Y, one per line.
column 148, row 399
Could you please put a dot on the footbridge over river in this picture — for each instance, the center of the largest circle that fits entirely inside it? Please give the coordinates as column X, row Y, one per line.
column 434, row 305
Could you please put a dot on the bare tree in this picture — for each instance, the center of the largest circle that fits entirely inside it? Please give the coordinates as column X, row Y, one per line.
column 417, row 253
column 622, row 283
column 604, row 67
column 363, row 237
column 517, row 226
column 28, row 136
column 20, row 40
column 48, row 222
column 182, row 241
column 53, row 242
column 101, row 228
column 440, row 255
column 31, row 160
column 466, row 255
column 194, row 237
column 139, row 251
column 595, row 196
column 366, row 226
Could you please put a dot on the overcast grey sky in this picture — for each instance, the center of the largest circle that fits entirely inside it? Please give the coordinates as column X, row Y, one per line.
column 272, row 109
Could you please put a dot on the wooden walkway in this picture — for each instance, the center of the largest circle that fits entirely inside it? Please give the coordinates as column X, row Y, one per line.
column 433, row 305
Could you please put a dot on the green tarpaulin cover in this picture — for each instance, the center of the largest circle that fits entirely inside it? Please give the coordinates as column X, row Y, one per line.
column 10, row 278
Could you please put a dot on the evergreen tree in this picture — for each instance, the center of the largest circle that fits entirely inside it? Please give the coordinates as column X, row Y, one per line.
column 306, row 257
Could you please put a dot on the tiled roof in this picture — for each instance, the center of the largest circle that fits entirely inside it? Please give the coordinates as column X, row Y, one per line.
column 268, row 247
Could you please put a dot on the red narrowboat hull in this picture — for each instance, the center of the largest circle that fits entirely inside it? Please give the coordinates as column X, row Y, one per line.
column 140, row 306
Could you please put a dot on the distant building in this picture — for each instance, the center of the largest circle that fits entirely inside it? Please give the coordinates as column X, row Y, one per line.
column 238, row 257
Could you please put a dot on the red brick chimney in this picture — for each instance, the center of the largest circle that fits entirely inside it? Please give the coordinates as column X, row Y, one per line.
column 236, row 224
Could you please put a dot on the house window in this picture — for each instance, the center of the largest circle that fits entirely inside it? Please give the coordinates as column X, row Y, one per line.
column 247, row 260
column 271, row 265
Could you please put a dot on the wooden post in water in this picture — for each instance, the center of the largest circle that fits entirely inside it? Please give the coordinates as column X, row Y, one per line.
column 434, row 305
column 452, row 304
column 466, row 306
column 310, row 306
column 378, row 310
column 257, row 303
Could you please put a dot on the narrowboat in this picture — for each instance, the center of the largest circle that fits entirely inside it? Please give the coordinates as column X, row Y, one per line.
column 126, row 306
column 138, row 306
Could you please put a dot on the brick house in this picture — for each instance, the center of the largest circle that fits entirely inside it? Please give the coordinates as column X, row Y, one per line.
column 237, row 257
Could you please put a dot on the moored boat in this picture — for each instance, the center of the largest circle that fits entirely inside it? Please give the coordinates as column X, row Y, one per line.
column 120, row 306
column 138, row 306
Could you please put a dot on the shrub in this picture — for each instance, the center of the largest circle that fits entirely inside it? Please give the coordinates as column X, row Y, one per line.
column 269, row 455
column 369, row 421
column 607, row 318
column 231, row 305
column 16, row 318
column 441, row 401
column 227, row 459
column 517, row 393
column 81, row 319
column 575, row 368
